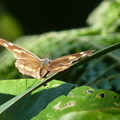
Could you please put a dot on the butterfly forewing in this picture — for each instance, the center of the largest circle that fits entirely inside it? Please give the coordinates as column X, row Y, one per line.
column 18, row 51
column 68, row 59
column 65, row 62
column 27, row 62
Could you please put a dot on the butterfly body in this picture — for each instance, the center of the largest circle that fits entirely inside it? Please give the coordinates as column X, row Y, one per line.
column 29, row 64
column 45, row 62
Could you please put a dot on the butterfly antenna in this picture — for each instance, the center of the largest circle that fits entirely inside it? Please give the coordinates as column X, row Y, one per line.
column 51, row 53
column 47, row 56
column 44, row 54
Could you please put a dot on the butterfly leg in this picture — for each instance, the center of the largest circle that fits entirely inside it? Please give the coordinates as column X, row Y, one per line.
column 44, row 71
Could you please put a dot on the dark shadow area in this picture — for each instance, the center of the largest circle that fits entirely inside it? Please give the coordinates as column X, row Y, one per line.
column 44, row 16
column 32, row 104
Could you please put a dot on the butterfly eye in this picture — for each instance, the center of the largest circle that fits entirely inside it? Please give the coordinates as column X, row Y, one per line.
column 46, row 62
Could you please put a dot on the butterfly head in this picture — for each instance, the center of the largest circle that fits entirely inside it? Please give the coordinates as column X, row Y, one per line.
column 46, row 62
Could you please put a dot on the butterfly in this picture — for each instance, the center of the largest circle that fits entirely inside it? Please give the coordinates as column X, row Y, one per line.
column 30, row 64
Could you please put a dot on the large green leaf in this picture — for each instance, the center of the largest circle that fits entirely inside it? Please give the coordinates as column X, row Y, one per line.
column 53, row 100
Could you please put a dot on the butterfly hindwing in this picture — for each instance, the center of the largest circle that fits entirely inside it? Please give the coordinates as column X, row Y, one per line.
column 28, row 67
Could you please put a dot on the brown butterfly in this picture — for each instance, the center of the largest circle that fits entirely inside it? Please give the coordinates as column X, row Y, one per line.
column 29, row 64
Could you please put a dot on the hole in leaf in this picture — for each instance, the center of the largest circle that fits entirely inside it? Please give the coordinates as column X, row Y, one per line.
column 56, row 107
column 115, row 97
column 69, row 104
column 55, row 85
column 117, row 104
column 89, row 91
column 102, row 95
column 70, row 95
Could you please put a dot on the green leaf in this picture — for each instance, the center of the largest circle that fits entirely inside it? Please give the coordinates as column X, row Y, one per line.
column 81, row 99
column 53, row 100
column 104, row 114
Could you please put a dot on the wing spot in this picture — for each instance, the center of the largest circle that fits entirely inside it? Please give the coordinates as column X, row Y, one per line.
column 10, row 44
column 62, row 67
column 71, row 57
column 81, row 52
column 17, row 50
column 84, row 54
column 24, row 67
column 5, row 44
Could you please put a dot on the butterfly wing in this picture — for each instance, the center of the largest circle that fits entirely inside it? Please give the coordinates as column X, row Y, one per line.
column 65, row 62
column 27, row 62
column 28, row 67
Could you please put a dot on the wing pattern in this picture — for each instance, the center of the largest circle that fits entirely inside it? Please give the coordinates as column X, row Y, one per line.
column 29, row 64
column 65, row 62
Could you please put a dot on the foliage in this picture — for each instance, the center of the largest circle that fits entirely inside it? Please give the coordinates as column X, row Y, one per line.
column 58, row 98
column 9, row 26
column 54, row 100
